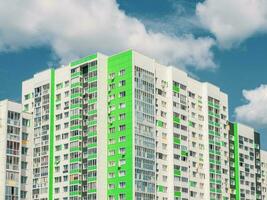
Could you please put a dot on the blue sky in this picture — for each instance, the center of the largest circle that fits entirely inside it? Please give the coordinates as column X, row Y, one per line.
column 229, row 50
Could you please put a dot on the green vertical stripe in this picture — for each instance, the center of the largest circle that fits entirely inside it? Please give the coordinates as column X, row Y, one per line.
column 51, row 135
column 236, row 157
column 115, row 64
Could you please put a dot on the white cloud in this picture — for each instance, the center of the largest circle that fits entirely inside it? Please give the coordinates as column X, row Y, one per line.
column 255, row 111
column 77, row 28
column 233, row 21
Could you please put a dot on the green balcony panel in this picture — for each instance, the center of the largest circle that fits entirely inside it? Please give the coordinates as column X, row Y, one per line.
column 177, row 172
column 160, row 188
column 76, row 74
column 177, row 194
column 83, row 60
column 159, row 123
column 176, row 89
column 184, row 153
column 176, row 120
column 176, row 140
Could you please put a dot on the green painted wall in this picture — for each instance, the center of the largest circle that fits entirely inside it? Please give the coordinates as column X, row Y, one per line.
column 236, row 157
column 51, row 135
column 83, row 60
column 80, row 64
column 115, row 64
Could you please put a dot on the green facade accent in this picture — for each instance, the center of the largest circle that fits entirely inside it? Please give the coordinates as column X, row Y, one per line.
column 236, row 157
column 90, row 135
column 115, row 64
column 176, row 89
column 184, row 153
column 177, row 194
column 193, row 183
column 83, row 60
column 216, row 142
column 177, row 172
column 176, row 120
column 190, row 123
column 27, row 96
column 159, row 123
column 160, row 188
column 176, row 140
column 51, row 135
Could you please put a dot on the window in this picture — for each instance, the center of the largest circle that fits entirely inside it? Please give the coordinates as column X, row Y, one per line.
column 122, row 105
column 65, row 135
column 122, row 173
column 67, row 83
column 24, row 165
column 122, row 72
column 58, row 106
column 23, row 179
column 112, row 86
column 122, row 150
column 111, row 163
column 66, row 125
column 111, row 197
column 27, row 96
column 112, row 130
column 111, row 152
column 122, row 162
column 65, row 178
column 66, row 114
column 57, row 190
column 111, row 175
column 58, row 116
column 66, row 93
column 24, row 136
column 23, row 194
column 122, row 83
column 112, row 75
column 122, row 94
column 58, row 97
column 59, row 86
column 112, row 141
column 24, row 150
column 122, row 184
column 65, row 189
column 122, row 197
column 58, row 127
column 122, row 127
column 26, row 107
column 122, row 138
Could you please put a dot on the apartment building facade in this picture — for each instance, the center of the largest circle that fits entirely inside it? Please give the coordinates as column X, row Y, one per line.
column 15, row 152
column 264, row 174
column 48, row 101
column 245, row 162
column 126, row 127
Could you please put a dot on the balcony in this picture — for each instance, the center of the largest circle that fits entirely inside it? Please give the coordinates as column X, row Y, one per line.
column 13, row 122
column 12, row 152
column 12, row 167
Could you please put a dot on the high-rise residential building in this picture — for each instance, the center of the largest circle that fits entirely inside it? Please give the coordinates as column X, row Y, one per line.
column 15, row 152
column 245, row 162
column 69, row 107
column 191, row 134
column 125, row 127
column 264, row 174
column 47, row 97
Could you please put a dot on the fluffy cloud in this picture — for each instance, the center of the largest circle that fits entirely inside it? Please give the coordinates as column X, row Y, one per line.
column 255, row 111
column 233, row 21
column 77, row 28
